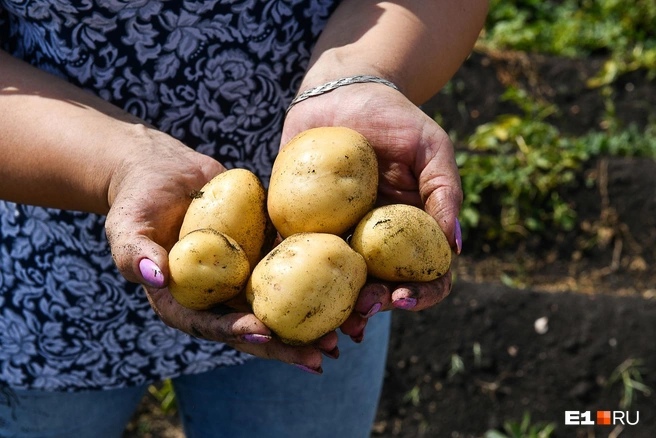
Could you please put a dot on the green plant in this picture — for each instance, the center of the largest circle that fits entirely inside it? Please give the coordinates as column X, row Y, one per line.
column 478, row 354
column 630, row 142
column 165, row 395
column 523, row 429
column 570, row 27
column 413, row 396
column 629, row 374
column 519, row 164
column 514, row 169
column 457, row 366
column 621, row 31
column 638, row 57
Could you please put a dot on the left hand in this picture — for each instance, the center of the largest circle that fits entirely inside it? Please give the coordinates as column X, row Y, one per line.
column 416, row 165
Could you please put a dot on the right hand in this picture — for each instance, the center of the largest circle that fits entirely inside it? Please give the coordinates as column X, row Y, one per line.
column 148, row 197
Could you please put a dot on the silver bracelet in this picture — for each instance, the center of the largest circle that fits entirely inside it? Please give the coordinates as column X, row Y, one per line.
column 330, row 86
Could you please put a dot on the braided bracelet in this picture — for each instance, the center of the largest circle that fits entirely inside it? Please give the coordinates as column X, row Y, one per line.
column 330, row 86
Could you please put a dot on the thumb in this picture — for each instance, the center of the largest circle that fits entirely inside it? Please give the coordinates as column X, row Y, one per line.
column 148, row 204
column 136, row 255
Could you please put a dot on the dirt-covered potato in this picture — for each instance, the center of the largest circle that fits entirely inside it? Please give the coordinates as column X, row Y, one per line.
column 323, row 180
column 306, row 286
column 402, row 243
column 207, row 267
column 234, row 203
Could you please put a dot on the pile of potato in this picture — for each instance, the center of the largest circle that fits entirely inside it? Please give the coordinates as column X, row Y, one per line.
column 322, row 191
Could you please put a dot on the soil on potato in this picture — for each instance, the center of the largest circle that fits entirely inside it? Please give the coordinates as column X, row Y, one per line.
column 491, row 353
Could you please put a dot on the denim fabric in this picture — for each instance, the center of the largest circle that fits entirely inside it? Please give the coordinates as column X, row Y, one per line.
column 260, row 398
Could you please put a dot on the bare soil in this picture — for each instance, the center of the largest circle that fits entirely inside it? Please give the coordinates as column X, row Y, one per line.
column 491, row 353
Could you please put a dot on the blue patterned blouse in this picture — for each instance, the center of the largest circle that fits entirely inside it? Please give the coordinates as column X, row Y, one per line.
column 215, row 74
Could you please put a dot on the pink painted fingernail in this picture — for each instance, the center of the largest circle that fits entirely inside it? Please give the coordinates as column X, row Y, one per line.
column 308, row 369
column 372, row 311
column 405, row 303
column 151, row 273
column 255, row 338
column 458, row 237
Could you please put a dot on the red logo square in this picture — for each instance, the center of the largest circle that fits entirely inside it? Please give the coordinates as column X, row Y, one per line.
column 603, row 418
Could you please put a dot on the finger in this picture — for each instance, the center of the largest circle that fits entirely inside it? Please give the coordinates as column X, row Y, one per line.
column 239, row 303
column 354, row 327
column 420, row 296
column 142, row 261
column 374, row 297
column 327, row 344
column 133, row 241
column 243, row 331
column 221, row 324
column 439, row 184
column 307, row 358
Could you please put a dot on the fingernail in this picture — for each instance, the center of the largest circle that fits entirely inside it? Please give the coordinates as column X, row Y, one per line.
column 372, row 311
column 458, row 237
column 333, row 354
column 405, row 303
column 254, row 338
column 151, row 273
column 359, row 337
column 308, row 369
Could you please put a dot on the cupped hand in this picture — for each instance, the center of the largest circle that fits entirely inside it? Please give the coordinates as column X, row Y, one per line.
column 416, row 166
column 148, row 196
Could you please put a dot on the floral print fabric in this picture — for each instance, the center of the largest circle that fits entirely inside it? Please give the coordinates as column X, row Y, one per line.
column 215, row 74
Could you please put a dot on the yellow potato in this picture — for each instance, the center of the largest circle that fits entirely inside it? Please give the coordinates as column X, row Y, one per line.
column 234, row 203
column 206, row 267
column 402, row 243
column 306, row 286
column 323, row 180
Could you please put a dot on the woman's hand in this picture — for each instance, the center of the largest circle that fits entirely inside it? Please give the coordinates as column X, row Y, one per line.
column 416, row 165
column 149, row 195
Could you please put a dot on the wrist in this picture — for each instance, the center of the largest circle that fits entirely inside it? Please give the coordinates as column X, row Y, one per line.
column 330, row 86
column 335, row 64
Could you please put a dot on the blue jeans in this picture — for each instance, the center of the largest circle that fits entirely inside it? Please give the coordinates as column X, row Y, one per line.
column 258, row 399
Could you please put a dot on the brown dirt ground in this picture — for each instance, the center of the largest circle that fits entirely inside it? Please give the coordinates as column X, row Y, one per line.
column 597, row 304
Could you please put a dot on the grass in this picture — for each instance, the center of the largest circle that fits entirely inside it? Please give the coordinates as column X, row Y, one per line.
column 165, row 396
column 523, row 429
column 630, row 375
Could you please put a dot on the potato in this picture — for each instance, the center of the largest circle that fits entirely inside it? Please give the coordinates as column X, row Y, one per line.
column 234, row 203
column 206, row 268
column 323, row 180
column 306, row 286
column 402, row 243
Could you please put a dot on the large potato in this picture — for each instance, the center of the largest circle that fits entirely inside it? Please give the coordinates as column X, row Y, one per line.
column 306, row 286
column 207, row 267
column 323, row 180
column 402, row 243
column 234, row 203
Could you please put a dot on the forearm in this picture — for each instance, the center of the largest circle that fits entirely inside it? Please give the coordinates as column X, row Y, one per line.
column 60, row 145
column 417, row 44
